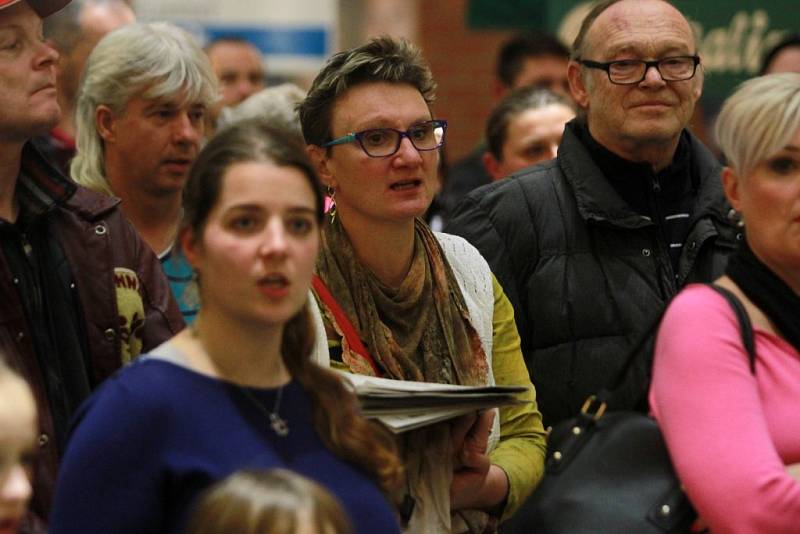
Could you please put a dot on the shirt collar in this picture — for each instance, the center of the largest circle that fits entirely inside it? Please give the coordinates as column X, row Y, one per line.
column 40, row 187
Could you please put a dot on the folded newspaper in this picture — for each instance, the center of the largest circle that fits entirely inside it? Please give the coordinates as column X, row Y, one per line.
column 406, row 405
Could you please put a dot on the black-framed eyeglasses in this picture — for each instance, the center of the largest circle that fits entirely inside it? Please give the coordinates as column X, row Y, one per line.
column 632, row 71
column 382, row 142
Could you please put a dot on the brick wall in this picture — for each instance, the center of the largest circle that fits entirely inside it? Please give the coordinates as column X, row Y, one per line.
column 462, row 61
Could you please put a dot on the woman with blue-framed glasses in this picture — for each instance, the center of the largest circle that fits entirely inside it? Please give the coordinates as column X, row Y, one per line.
column 402, row 302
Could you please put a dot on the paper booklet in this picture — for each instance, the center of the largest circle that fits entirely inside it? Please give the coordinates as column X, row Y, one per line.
column 404, row 405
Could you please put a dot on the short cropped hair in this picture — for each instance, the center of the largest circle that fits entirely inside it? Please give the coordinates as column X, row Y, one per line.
column 513, row 105
column 790, row 41
column 758, row 120
column 383, row 59
column 155, row 60
column 230, row 39
column 523, row 46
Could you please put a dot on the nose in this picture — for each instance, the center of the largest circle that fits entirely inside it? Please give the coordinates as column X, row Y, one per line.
column 407, row 153
column 274, row 242
column 46, row 55
column 16, row 488
column 652, row 76
column 186, row 128
column 245, row 88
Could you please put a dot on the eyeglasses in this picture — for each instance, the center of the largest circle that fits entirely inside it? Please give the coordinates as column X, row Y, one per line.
column 382, row 142
column 632, row 71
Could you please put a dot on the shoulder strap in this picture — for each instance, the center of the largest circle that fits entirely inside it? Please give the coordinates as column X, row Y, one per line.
column 745, row 326
column 349, row 331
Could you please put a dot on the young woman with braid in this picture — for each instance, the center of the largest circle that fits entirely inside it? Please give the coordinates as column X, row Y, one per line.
column 238, row 390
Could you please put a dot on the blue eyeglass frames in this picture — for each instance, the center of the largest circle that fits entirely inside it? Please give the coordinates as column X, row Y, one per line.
column 383, row 142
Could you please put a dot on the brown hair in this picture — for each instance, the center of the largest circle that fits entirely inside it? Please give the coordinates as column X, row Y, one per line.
column 277, row 501
column 380, row 60
column 337, row 417
column 513, row 105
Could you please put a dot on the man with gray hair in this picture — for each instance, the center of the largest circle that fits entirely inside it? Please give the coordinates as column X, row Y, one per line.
column 591, row 246
column 80, row 293
column 73, row 32
column 140, row 122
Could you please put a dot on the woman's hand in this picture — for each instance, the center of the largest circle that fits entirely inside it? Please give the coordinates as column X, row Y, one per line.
column 476, row 482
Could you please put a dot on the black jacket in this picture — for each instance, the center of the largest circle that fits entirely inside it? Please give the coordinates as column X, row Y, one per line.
column 585, row 273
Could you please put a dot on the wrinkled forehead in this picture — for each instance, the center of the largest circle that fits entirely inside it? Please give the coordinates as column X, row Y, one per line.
column 641, row 27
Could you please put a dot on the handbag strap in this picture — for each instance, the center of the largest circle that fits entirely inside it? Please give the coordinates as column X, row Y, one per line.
column 347, row 328
column 745, row 327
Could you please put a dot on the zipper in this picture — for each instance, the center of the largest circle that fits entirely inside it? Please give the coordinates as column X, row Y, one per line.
column 662, row 246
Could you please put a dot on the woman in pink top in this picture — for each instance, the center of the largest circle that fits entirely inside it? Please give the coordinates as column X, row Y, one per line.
column 734, row 435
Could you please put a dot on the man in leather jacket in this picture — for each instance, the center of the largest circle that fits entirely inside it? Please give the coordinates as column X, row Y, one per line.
column 591, row 246
column 80, row 293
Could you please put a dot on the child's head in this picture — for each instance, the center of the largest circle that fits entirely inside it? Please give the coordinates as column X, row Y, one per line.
column 277, row 501
column 17, row 435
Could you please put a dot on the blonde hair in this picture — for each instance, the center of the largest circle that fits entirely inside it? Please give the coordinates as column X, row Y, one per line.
column 154, row 60
column 758, row 120
column 277, row 501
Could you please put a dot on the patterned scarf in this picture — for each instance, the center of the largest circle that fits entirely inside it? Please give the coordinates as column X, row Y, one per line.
column 418, row 331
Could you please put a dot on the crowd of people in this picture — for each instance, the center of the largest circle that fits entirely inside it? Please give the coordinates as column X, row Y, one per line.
column 189, row 259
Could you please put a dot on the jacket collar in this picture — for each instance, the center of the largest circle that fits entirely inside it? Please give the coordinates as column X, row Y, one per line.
column 598, row 200
column 42, row 187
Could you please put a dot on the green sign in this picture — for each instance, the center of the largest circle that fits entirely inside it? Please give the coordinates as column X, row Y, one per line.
column 733, row 34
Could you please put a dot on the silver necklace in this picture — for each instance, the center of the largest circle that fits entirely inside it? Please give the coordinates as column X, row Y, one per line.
column 278, row 423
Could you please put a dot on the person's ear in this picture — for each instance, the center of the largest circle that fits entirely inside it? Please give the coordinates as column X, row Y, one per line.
column 190, row 246
column 105, row 122
column 319, row 158
column 491, row 165
column 577, row 85
column 731, row 184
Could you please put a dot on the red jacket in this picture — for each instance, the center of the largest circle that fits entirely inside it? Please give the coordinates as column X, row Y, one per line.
column 118, row 280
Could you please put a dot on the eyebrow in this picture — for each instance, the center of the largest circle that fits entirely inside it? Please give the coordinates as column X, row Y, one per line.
column 668, row 48
column 171, row 104
column 381, row 121
column 259, row 207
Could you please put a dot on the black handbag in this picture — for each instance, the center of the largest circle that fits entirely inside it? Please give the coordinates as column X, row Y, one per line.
column 611, row 472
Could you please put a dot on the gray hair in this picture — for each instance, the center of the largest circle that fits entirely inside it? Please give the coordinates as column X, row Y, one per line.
column 758, row 120
column 155, row 60
column 273, row 105
column 382, row 59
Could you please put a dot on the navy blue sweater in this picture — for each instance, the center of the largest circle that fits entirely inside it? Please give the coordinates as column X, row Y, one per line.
column 157, row 434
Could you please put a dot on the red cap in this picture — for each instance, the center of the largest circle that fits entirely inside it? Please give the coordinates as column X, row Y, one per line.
column 42, row 7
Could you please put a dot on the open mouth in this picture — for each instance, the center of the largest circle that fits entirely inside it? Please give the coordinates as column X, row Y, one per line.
column 405, row 185
column 277, row 281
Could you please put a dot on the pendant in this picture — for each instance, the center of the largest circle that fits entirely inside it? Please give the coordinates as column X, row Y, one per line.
column 279, row 425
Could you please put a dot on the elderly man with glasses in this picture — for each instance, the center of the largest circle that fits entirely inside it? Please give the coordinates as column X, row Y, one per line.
column 591, row 246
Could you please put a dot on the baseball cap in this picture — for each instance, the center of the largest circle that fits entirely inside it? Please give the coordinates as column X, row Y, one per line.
column 42, row 7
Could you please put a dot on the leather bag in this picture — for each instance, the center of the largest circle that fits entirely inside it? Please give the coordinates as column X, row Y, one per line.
column 611, row 472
